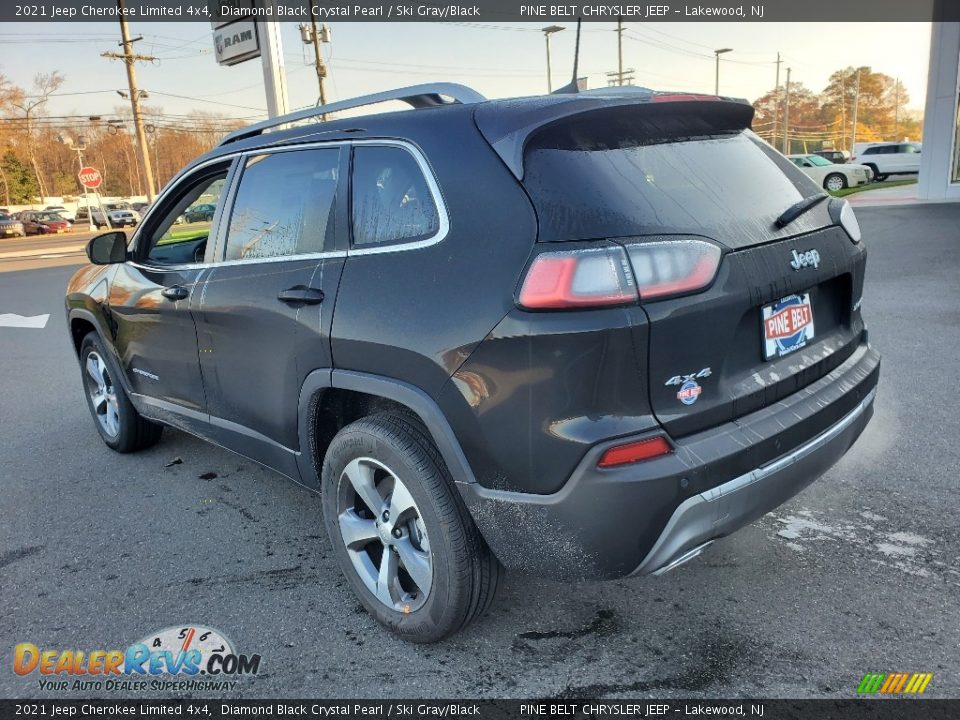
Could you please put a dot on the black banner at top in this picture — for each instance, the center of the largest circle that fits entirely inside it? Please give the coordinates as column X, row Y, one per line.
column 298, row 11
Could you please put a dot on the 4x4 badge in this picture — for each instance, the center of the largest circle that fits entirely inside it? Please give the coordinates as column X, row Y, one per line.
column 689, row 387
column 681, row 379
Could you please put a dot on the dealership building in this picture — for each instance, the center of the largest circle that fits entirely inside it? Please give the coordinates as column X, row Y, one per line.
column 940, row 159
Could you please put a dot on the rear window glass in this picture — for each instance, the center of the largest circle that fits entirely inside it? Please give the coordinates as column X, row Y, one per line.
column 730, row 187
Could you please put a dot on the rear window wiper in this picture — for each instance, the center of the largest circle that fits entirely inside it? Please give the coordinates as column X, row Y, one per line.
column 798, row 209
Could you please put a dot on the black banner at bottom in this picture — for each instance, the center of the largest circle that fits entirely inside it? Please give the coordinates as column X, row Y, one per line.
column 853, row 709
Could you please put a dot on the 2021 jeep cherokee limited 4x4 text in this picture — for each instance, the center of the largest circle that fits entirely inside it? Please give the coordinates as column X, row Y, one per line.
column 581, row 335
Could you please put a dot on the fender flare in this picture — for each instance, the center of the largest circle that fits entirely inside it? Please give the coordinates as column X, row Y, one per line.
column 98, row 326
column 401, row 392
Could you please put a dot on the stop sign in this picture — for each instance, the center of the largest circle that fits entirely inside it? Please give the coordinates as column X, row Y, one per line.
column 90, row 177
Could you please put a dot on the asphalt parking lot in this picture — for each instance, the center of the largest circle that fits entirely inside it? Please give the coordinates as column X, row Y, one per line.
column 860, row 573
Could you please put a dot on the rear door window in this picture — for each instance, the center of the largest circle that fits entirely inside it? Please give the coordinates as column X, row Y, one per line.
column 285, row 205
column 391, row 199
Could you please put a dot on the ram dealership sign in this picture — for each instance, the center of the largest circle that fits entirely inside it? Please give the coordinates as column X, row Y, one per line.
column 236, row 42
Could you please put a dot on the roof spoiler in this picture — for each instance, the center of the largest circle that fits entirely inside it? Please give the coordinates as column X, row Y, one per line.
column 510, row 126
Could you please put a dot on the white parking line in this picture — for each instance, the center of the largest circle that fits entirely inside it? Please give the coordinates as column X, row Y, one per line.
column 41, row 251
column 36, row 322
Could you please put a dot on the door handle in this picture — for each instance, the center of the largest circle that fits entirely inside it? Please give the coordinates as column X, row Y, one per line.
column 301, row 295
column 177, row 292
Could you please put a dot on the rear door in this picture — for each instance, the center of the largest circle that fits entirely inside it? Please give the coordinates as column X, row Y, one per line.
column 718, row 195
column 909, row 157
column 264, row 314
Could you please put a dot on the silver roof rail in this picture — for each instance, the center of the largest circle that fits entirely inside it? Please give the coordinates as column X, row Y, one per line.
column 418, row 96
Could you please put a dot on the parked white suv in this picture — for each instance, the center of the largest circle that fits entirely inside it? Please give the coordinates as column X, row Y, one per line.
column 890, row 158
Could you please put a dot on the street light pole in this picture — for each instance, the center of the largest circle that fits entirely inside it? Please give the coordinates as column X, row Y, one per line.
column 547, row 32
column 716, row 82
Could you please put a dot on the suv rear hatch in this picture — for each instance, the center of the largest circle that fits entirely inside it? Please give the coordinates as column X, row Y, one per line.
column 675, row 169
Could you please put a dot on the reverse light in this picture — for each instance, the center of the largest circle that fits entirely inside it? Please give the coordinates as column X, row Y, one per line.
column 577, row 279
column 673, row 267
column 636, row 451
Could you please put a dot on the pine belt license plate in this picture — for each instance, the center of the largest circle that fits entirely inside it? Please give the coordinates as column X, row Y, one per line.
column 787, row 325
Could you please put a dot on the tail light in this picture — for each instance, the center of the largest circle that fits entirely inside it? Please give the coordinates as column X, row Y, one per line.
column 578, row 278
column 605, row 276
column 673, row 267
column 633, row 452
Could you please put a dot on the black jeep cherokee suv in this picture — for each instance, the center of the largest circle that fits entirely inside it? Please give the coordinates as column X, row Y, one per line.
column 582, row 335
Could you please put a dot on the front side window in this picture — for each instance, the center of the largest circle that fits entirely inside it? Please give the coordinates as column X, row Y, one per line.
column 181, row 236
column 392, row 202
column 285, row 205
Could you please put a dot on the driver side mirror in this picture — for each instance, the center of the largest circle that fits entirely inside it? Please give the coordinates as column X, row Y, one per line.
column 108, row 248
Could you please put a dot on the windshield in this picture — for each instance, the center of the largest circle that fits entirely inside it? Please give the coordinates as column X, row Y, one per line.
column 730, row 187
column 48, row 216
column 817, row 160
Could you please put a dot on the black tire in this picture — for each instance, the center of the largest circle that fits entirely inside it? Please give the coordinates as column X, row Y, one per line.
column 133, row 432
column 832, row 176
column 464, row 572
column 876, row 173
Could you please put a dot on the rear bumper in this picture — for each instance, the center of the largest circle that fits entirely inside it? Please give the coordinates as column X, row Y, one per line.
column 649, row 517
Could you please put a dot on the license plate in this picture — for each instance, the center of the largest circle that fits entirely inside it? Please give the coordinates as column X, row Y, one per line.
column 787, row 325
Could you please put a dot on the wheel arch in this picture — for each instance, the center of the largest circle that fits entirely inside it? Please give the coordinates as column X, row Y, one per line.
column 346, row 395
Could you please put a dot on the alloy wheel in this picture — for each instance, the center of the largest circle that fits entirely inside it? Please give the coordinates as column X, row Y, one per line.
column 835, row 183
column 384, row 534
column 103, row 394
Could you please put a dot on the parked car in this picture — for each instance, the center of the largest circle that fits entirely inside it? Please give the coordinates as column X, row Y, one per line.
column 891, row 158
column 835, row 156
column 593, row 367
column 11, row 226
column 43, row 222
column 831, row 176
column 119, row 214
column 200, row 213
column 140, row 207
column 62, row 212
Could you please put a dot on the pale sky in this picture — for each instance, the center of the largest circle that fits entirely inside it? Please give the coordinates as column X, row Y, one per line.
column 498, row 60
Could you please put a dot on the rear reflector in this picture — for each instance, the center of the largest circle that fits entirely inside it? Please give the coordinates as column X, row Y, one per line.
column 635, row 452
column 577, row 279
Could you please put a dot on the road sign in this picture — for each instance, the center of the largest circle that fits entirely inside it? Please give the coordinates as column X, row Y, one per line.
column 90, row 177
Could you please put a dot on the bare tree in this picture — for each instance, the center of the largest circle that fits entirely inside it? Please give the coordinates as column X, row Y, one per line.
column 44, row 85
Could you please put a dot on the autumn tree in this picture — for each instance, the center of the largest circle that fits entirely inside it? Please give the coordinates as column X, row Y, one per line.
column 880, row 103
column 44, row 85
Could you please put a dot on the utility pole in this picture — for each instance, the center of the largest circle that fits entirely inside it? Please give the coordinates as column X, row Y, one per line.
column 129, row 58
column 315, row 36
column 843, row 110
column 896, row 110
column 776, row 103
column 620, row 49
column 856, row 107
column 786, row 118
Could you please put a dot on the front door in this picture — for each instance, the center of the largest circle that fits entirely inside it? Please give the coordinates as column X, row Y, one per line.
column 149, row 301
column 264, row 314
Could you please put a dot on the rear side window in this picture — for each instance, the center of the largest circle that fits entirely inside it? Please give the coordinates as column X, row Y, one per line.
column 285, row 205
column 730, row 187
column 391, row 200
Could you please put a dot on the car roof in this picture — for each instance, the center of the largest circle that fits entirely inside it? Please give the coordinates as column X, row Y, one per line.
column 501, row 120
